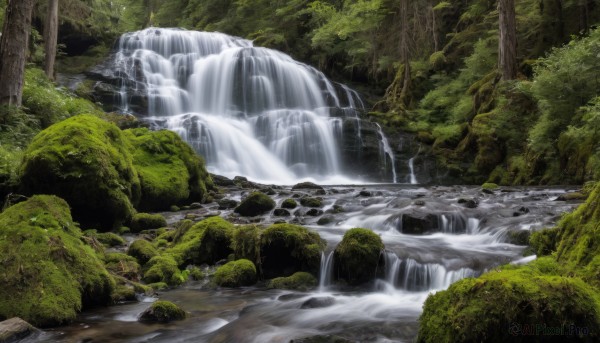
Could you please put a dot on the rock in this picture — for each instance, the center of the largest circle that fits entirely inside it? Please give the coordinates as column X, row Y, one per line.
column 225, row 204
column 419, row 203
column 222, row 180
column 357, row 256
column 207, row 241
column 289, row 204
column 255, row 204
column 573, row 196
column 307, row 185
column 417, row 223
column 318, row 302
column 15, row 329
column 311, row 202
column 281, row 212
column 364, row 193
column 195, row 205
column 142, row 250
column 322, row 339
column 468, row 203
column 314, row 212
column 236, row 274
column 163, row 312
column 326, row 220
column 300, row 281
column 147, row 221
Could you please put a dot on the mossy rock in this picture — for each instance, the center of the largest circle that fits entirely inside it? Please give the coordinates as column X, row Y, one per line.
column 108, row 239
column 357, row 256
column 509, row 305
column 255, row 204
column 289, row 203
column 489, row 186
column 142, row 250
column 164, row 268
column 47, row 273
column 236, row 274
column 123, row 265
column 147, row 221
column 86, row 161
column 286, row 249
column 311, row 202
column 246, row 242
column 170, row 171
column 299, row 281
column 207, row 241
column 544, row 241
column 162, row 311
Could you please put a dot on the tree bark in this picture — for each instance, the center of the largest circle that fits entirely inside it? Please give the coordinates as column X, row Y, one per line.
column 50, row 38
column 13, row 50
column 507, row 44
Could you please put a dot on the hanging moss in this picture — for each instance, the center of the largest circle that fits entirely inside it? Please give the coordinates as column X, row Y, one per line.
column 170, row 171
column 47, row 274
column 236, row 274
column 86, row 161
column 357, row 256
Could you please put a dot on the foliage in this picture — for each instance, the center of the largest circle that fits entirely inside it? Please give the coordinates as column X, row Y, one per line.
column 236, row 274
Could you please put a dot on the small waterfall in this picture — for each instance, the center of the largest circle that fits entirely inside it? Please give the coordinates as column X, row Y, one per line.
column 411, row 167
column 248, row 110
column 392, row 266
column 455, row 223
column 387, row 150
column 326, row 271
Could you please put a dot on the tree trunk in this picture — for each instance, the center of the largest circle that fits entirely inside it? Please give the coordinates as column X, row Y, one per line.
column 50, row 37
column 507, row 45
column 405, row 52
column 13, row 50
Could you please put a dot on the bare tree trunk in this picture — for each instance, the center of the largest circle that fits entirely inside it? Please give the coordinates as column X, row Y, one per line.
column 13, row 50
column 50, row 37
column 405, row 51
column 507, row 44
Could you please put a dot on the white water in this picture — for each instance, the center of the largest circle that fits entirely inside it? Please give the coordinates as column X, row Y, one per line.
column 411, row 167
column 326, row 271
column 248, row 110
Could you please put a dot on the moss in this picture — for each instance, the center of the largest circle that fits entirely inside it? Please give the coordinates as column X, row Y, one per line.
column 357, row 256
column 123, row 265
column 142, row 250
column 147, row 221
column 289, row 203
column 300, row 281
column 544, row 241
column 109, row 239
column 163, row 311
column 286, row 249
column 163, row 268
column 311, row 202
column 47, row 274
column 499, row 306
column 207, row 241
column 84, row 160
column 489, row 186
column 255, row 204
column 236, row 274
column 170, row 171
column 245, row 242
column 158, row 286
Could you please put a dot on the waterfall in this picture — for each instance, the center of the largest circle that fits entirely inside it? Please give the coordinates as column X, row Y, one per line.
column 248, row 110
column 388, row 151
column 326, row 272
column 411, row 167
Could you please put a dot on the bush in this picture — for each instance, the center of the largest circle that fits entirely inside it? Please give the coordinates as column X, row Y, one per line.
column 147, row 221
column 357, row 256
column 236, row 274
column 255, row 204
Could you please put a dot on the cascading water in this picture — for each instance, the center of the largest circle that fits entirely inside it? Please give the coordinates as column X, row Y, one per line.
column 248, row 110
column 326, row 272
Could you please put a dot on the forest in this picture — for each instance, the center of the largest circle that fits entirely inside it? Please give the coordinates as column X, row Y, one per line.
column 104, row 211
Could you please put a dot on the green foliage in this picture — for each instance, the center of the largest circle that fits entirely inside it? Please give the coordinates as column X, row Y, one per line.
column 147, row 221
column 47, row 274
column 163, row 311
column 356, row 257
column 255, row 204
column 170, row 171
column 236, row 274
column 299, row 281
column 142, row 250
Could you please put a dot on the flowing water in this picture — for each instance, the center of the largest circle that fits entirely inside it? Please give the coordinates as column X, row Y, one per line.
column 431, row 240
column 247, row 110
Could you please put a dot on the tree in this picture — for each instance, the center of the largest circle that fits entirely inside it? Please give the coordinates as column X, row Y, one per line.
column 507, row 45
column 50, row 37
column 405, row 51
column 13, row 50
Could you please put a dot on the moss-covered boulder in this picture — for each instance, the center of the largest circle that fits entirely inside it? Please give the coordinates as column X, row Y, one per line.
column 207, row 241
column 311, row 202
column 289, row 203
column 236, row 274
column 357, row 256
column 147, row 221
column 164, row 268
column 123, row 265
column 255, row 204
column 142, row 250
column 47, row 273
column 299, row 281
column 511, row 306
column 286, row 249
column 86, row 161
column 170, row 171
column 162, row 311
column 108, row 239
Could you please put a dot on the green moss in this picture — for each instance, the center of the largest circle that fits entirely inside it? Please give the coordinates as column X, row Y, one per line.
column 311, row 202
column 123, row 265
column 147, row 221
column 142, row 250
column 84, row 160
column 108, row 239
column 236, row 274
column 170, row 171
column 357, row 256
column 498, row 305
column 489, row 186
column 300, row 281
column 47, row 274
column 163, row 268
column 207, row 241
column 289, row 203
column 544, row 241
column 163, row 311
column 246, row 242
column 286, row 249
column 255, row 204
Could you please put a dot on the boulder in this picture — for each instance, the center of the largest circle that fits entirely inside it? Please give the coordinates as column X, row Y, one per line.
column 15, row 329
column 255, row 204
column 299, row 281
column 357, row 256
column 236, row 274
column 318, row 302
column 163, row 312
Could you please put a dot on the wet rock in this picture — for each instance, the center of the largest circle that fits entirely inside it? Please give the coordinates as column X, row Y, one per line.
column 573, row 196
column 419, row 202
column 195, row 205
column 314, row 212
column 291, row 296
column 162, row 312
column 281, row 212
column 326, row 220
column 418, row 223
column 225, row 204
column 300, row 281
column 311, row 202
column 255, row 204
column 289, row 203
column 364, row 193
column 307, row 185
column 518, row 237
column 15, row 329
column 357, row 256
column 318, row 302
column 468, row 203
column 321, row 339
column 219, row 180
